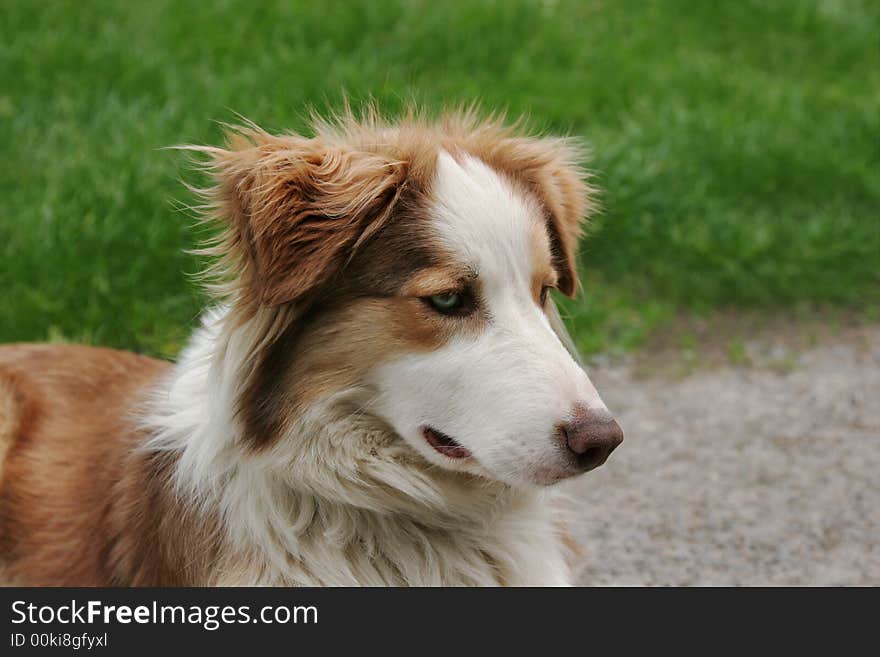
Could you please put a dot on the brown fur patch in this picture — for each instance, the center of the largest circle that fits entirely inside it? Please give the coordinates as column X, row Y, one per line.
column 350, row 341
column 436, row 280
column 12, row 410
column 78, row 504
column 540, row 255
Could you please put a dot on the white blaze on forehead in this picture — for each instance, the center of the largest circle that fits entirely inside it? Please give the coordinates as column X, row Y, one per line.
column 486, row 222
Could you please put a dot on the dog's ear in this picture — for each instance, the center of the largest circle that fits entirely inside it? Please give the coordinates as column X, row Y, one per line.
column 551, row 168
column 295, row 208
column 562, row 187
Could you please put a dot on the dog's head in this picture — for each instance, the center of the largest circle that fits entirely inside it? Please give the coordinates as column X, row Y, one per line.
column 413, row 262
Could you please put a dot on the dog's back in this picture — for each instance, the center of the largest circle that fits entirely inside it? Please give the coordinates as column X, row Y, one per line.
column 64, row 431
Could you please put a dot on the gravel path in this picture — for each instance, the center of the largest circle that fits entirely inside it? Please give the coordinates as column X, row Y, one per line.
column 741, row 475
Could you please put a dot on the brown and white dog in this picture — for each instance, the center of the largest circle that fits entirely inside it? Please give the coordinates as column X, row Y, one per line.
column 383, row 396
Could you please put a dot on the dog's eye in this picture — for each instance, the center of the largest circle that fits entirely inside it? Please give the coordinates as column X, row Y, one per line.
column 447, row 303
column 455, row 304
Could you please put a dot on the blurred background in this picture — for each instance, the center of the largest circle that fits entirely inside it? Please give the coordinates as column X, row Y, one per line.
column 731, row 284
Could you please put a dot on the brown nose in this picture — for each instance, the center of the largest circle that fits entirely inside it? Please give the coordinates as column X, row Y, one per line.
column 591, row 436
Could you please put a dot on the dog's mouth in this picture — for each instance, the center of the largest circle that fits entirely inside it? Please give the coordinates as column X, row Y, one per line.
column 444, row 444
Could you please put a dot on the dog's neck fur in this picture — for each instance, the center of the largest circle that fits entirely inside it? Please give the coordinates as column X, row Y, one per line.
column 373, row 514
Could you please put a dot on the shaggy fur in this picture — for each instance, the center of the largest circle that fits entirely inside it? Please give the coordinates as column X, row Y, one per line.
column 273, row 452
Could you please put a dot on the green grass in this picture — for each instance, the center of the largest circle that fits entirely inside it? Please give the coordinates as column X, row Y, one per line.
column 738, row 143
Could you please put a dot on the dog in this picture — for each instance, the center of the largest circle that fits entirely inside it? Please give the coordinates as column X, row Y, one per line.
column 383, row 394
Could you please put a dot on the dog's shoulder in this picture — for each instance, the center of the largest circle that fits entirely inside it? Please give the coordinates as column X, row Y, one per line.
column 42, row 384
column 65, row 428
